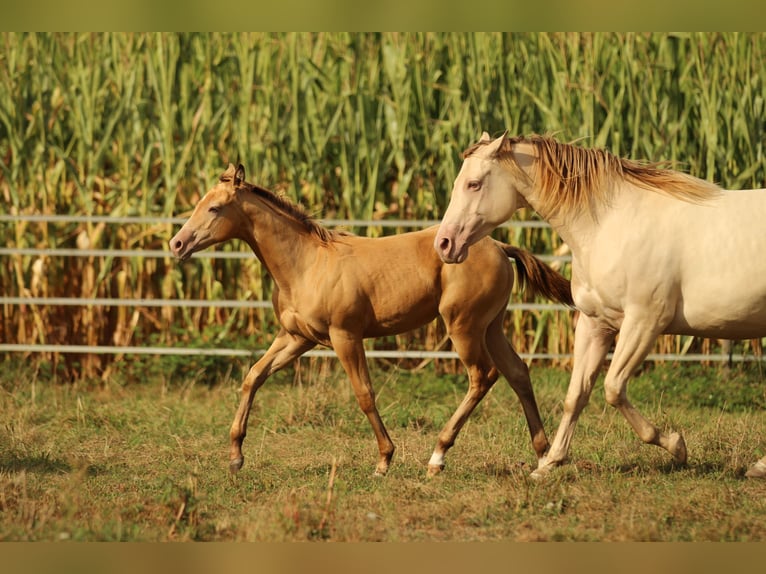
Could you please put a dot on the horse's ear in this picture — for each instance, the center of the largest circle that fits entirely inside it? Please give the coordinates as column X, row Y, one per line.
column 495, row 146
column 484, row 137
column 239, row 175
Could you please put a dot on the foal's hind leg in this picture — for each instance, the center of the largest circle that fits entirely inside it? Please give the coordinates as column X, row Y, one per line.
column 517, row 374
column 283, row 351
column 481, row 376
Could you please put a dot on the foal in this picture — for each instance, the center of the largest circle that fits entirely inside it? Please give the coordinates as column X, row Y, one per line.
column 336, row 289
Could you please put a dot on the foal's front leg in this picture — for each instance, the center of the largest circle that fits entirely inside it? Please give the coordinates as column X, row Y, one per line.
column 350, row 351
column 283, row 351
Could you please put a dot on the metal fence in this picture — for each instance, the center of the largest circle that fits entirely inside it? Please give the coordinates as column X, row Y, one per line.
column 152, row 350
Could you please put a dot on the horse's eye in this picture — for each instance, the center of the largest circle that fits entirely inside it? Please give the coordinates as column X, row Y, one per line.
column 214, row 209
column 474, row 185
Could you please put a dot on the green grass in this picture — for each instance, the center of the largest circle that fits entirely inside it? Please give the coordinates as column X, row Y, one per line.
column 145, row 459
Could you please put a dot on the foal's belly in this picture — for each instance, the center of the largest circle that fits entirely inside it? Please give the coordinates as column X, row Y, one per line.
column 401, row 320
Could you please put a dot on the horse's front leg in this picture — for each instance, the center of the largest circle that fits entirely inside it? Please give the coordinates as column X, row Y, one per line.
column 590, row 348
column 350, row 351
column 283, row 351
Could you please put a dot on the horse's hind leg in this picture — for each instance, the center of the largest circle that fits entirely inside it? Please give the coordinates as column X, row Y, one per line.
column 283, row 350
column 482, row 374
column 636, row 340
column 516, row 373
column 758, row 470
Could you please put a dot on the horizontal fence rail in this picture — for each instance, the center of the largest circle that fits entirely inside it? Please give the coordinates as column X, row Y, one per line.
column 256, row 304
column 216, row 303
column 159, row 253
column 329, row 353
column 412, row 223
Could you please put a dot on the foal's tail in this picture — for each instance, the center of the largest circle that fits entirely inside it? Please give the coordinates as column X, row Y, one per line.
column 541, row 279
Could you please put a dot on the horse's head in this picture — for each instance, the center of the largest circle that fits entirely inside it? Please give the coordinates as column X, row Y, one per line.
column 484, row 196
column 216, row 217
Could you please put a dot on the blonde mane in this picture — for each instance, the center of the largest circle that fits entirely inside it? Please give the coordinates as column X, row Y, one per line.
column 286, row 208
column 570, row 177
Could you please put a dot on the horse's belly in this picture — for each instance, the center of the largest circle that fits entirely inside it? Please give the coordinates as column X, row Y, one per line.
column 741, row 318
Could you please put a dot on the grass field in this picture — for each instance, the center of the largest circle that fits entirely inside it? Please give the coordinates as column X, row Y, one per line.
column 145, row 459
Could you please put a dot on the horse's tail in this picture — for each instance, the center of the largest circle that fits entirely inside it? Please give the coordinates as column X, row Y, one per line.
column 538, row 276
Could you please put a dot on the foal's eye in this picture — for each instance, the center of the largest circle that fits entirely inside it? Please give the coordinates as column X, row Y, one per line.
column 474, row 185
column 214, row 209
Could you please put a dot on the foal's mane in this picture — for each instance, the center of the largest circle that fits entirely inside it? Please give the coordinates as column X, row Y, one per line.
column 570, row 177
column 286, row 208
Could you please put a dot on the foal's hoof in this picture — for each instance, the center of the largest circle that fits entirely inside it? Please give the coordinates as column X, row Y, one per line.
column 380, row 471
column 434, row 470
column 758, row 470
column 677, row 447
column 235, row 464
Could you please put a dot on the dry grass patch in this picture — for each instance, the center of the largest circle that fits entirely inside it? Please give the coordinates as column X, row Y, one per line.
column 147, row 461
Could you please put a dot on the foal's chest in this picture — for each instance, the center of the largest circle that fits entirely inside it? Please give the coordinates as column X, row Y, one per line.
column 303, row 325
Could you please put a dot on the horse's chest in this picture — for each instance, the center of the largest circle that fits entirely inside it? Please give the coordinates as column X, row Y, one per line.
column 603, row 306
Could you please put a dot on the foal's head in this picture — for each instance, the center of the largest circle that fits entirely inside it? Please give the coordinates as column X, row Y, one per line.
column 216, row 218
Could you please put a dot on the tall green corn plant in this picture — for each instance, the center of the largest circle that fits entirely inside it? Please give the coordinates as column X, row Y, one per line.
column 396, row 111
column 162, row 61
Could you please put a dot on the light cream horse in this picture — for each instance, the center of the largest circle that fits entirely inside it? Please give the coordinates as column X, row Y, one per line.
column 653, row 251
column 336, row 289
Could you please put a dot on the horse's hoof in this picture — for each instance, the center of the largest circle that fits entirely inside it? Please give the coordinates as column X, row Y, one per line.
column 758, row 470
column 434, row 470
column 235, row 464
column 541, row 473
column 677, row 447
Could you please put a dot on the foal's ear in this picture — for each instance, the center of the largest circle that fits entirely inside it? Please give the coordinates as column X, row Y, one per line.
column 239, row 175
column 484, row 137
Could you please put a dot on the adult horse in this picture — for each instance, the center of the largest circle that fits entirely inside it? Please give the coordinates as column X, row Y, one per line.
column 653, row 251
column 336, row 289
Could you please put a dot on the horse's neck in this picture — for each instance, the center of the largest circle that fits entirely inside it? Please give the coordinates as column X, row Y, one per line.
column 283, row 245
column 573, row 228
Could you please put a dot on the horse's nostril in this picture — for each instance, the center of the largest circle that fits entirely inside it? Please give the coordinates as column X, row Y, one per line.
column 444, row 243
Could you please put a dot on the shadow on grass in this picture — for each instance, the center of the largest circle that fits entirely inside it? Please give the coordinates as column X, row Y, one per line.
column 11, row 462
column 700, row 469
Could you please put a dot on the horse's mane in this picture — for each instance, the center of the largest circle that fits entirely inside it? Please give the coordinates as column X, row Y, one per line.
column 570, row 177
column 287, row 208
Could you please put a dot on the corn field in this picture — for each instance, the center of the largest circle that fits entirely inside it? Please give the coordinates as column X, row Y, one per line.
column 349, row 125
